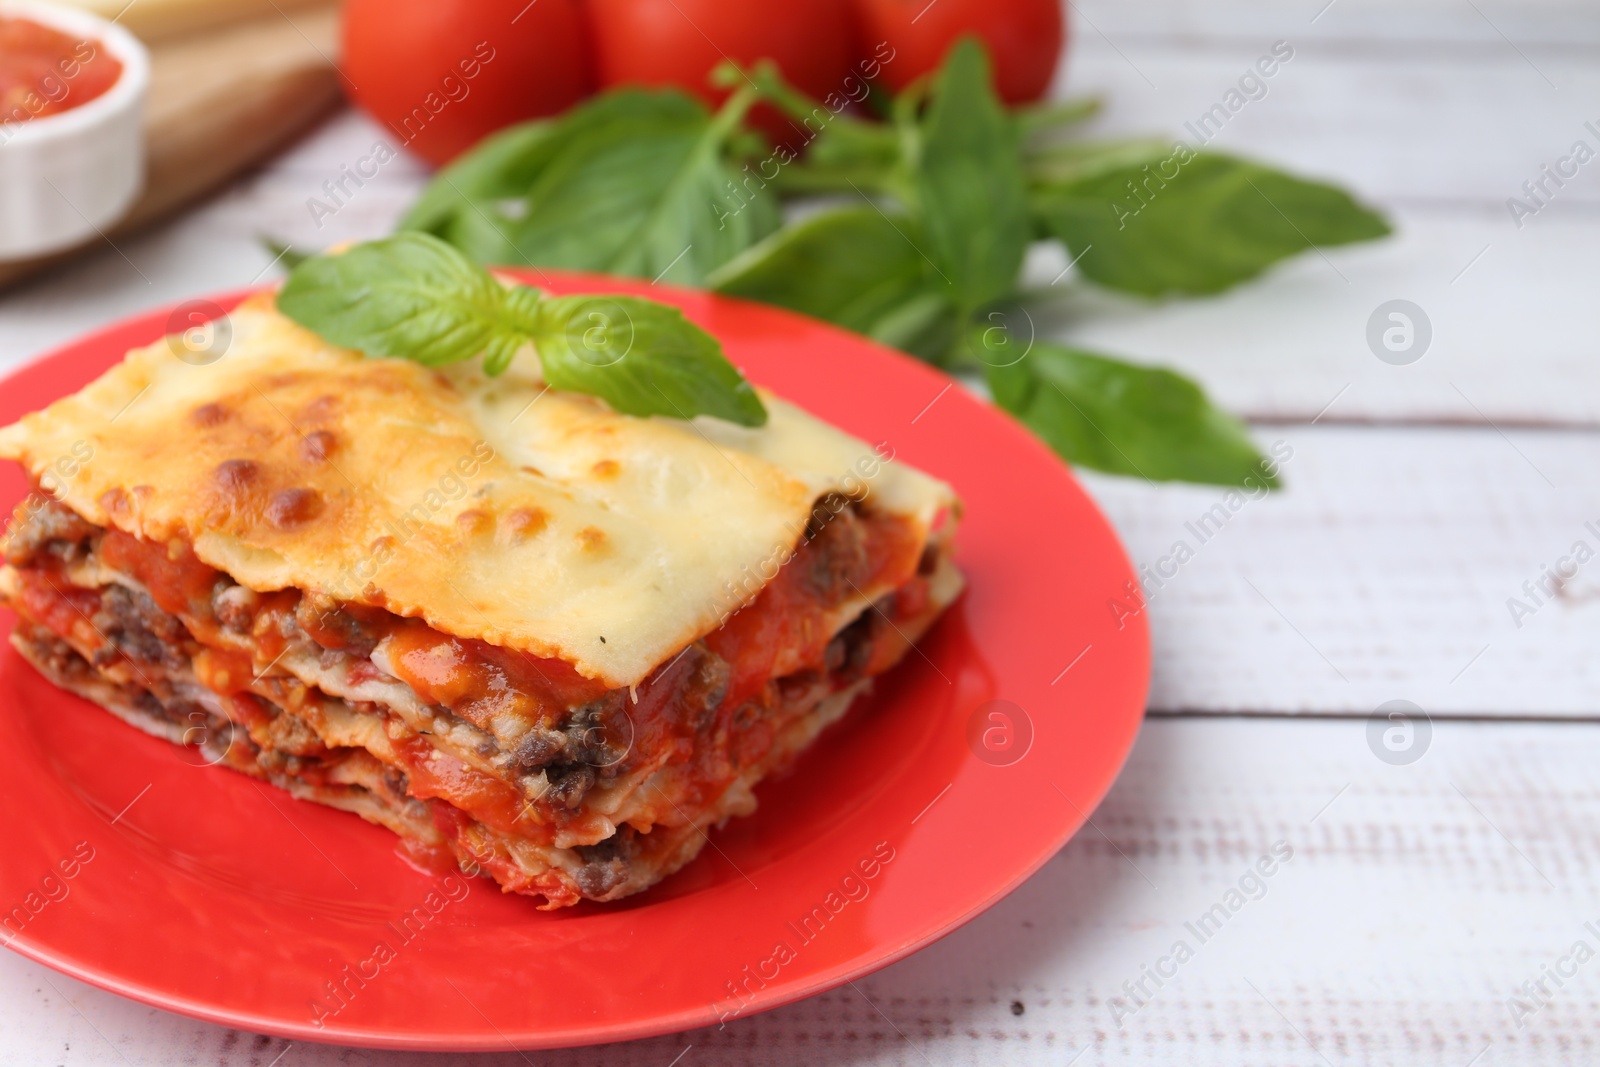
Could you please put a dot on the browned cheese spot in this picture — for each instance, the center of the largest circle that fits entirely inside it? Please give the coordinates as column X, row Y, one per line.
column 321, row 409
column 520, row 524
column 210, row 415
column 473, row 522
column 293, row 507
column 236, row 477
column 317, row 446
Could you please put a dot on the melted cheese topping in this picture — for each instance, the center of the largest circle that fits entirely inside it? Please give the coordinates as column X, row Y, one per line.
column 491, row 508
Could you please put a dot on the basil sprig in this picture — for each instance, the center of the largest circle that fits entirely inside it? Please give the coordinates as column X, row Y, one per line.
column 914, row 233
column 415, row 297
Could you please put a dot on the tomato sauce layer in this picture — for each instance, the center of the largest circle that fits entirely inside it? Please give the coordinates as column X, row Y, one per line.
column 786, row 627
column 710, row 713
column 789, row 625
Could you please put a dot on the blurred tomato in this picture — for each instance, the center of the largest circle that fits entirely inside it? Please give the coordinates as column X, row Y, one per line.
column 1024, row 39
column 679, row 42
column 443, row 74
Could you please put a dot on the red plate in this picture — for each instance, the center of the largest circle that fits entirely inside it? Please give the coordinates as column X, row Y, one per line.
column 207, row 893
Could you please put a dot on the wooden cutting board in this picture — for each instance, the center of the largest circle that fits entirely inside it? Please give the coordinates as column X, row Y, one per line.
column 157, row 20
column 223, row 98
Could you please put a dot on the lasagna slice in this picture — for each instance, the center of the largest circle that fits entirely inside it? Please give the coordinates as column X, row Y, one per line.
column 534, row 637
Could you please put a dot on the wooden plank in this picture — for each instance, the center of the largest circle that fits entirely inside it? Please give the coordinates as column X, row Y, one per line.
column 1435, row 24
column 155, row 20
column 1385, row 570
column 1415, row 903
column 1397, row 123
column 1512, row 317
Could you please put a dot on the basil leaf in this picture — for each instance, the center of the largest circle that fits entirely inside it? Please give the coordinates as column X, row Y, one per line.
column 411, row 296
column 642, row 358
column 479, row 201
column 633, row 182
column 1050, row 119
column 1124, row 419
column 856, row 267
column 645, row 192
column 926, row 325
column 1063, row 164
column 499, row 168
column 1196, row 222
column 414, row 297
column 969, row 183
column 848, row 265
column 654, row 201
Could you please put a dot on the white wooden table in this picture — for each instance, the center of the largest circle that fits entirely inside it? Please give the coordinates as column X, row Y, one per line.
column 1420, row 898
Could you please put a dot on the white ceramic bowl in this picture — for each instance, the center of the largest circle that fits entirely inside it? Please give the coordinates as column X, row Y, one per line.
column 67, row 177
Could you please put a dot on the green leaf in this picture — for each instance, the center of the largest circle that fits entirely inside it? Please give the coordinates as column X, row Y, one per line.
column 653, row 198
column 642, row 358
column 1063, row 164
column 926, row 325
column 500, row 167
column 653, row 203
column 478, row 202
column 633, row 182
column 414, row 297
column 1110, row 416
column 1050, row 119
column 411, row 296
column 849, row 265
column 857, row 267
column 969, row 184
column 1196, row 223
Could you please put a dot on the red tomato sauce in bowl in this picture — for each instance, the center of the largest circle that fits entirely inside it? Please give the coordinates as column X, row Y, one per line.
column 45, row 72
